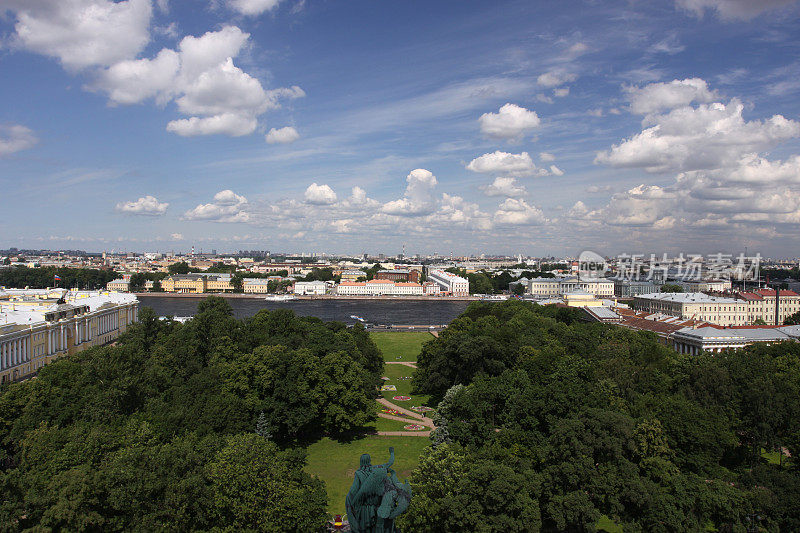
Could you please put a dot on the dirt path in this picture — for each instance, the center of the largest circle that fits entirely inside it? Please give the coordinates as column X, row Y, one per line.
column 401, row 419
column 412, row 364
column 404, row 433
column 424, row 420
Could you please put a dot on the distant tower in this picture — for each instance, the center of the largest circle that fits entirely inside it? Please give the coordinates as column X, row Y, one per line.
column 193, row 250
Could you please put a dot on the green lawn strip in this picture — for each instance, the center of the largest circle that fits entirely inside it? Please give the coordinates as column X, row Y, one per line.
column 394, row 373
column 335, row 463
column 400, row 345
column 606, row 524
column 384, row 424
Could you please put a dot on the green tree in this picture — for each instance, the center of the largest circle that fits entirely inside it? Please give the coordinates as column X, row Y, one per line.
column 479, row 283
column 137, row 281
column 671, row 287
column 792, row 320
column 454, row 491
column 179, row 268
column 237, row 282
column 259, row 488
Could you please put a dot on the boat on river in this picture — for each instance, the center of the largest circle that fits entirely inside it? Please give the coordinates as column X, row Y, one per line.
column 280, row 297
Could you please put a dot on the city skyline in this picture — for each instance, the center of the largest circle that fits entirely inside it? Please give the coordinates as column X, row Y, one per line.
column 301, row 125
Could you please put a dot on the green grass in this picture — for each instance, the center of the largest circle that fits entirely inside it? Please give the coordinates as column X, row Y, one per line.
column 335, row 462
column 606, row 524
column 394, row 373
column 400, row 345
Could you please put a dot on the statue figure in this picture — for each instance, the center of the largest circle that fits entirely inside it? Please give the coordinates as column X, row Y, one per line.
column 376, row 497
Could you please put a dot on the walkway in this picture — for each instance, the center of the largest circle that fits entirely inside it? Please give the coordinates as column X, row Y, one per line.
column 417, row 419
column 412, row 364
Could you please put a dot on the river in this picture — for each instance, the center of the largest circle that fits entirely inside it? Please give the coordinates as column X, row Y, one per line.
column 396, row 311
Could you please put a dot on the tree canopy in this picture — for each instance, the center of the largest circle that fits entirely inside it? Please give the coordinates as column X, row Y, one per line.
column 43, row 277
column 573, row 421
column 189, row 426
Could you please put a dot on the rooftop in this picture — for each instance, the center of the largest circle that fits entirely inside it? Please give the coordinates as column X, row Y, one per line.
column 687, row 297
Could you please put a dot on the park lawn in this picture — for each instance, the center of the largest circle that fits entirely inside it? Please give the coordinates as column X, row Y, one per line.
column 395, row 373
column 336, row 462
column 608, row 525
column 400, row 345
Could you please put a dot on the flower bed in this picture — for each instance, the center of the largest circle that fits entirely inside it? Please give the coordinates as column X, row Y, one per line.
column 401, row 398
column 414, row 427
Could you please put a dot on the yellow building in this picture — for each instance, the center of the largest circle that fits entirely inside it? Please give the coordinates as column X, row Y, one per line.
column 695, row 305
column 119, row 285
column 37, row 326
column 185, row 283
column 198, row 283
column 581, row 298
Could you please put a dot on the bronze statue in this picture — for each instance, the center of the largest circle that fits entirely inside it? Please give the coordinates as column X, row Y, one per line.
column 376, row 497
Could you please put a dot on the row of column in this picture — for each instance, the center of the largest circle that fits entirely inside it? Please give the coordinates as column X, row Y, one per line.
column 14, row 352
column 17, row 351
column 109, row 322
column 686, row 348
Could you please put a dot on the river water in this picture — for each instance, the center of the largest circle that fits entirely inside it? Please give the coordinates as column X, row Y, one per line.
column 388, row 312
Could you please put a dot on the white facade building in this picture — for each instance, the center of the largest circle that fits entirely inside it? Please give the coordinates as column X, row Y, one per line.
column 315, row 288
column 379, row 287
column 696, row 305
column 552, row 287
column 714, row 340
column 37, row 326
column 255, row 285
column 455, row 285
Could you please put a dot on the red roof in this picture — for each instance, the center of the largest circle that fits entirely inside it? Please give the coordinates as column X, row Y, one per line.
column 771, row 292
column 749, row 296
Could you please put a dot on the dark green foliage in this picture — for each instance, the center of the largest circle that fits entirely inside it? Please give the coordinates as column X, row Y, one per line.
column 671, row 287
column 165, row 431
column 792, row 320
column 179, row 268
column 41, row 278
column 593, row 420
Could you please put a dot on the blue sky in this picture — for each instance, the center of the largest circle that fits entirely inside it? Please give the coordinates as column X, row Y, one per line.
column 503, row 127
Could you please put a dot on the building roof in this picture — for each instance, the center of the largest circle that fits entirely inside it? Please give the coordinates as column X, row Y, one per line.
column 771, row 292
column 687, row 297
column 744, row 334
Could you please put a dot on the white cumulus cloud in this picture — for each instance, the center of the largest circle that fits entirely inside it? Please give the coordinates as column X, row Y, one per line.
column 146, row 205
column 15, row 138
column 504, row 163
column 515, row 212
column 704, row 137
column 282, row 135
column 418, row 198
column 656, row 97
column 555, row 78
column 224, row 124
column 82, row 33
column 505, row 186
column 253, row 7
column 320, row 195
column 200, row 77
column 510, row 122
column 226, row 207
